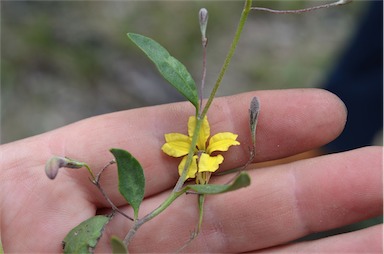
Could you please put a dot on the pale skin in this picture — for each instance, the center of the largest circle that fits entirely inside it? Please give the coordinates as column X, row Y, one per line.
column 282, row 204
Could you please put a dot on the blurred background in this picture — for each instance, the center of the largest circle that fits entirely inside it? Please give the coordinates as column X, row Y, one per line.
column 63, row 61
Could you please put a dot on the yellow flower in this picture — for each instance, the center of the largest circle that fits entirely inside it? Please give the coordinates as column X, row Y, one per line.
column 203, row 163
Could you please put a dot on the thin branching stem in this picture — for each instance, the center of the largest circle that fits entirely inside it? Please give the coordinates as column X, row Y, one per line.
column 114, row 208
column 243, row 19
column 341, row 2
column 102, row 170
column 138, row 223
column 199, row 119
column 178, row 191
column 96, row 182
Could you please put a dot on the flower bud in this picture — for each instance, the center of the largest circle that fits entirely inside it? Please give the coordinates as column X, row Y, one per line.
column 254, row 111
column 55, row 163
column 203, row 20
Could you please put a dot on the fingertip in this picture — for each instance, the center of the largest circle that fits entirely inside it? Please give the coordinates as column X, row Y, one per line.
column 328, row 113
column 339, row 110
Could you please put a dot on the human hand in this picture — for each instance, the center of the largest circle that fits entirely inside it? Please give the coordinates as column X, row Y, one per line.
column 282, row 204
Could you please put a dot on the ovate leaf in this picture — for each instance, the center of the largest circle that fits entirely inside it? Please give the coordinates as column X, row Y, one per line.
column 131, row 178
column 118, row 247
column 169, row 67
column 243, row 180
column 84, row 237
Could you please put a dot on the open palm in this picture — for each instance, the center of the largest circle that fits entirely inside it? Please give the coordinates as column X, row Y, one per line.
column 282, row 204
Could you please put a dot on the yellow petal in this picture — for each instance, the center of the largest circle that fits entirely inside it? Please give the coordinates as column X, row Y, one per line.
column 176, row 145
column 204, row 131
column 209, row 163
column 192, row 168
column 222, row 141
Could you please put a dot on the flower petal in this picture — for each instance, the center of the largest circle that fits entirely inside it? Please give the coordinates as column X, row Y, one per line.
column 192, row 168
column 222, row 141
column 204, row 131
column 176, row 145
column 209, row 163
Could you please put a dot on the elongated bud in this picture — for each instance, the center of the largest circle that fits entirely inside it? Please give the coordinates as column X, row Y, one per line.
column 254, row 110
column 203, row 20
column 55, row 163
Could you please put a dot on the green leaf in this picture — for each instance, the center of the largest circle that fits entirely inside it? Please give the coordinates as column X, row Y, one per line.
column 84, row 237
column 131, row 178
column 243, row 180
column 118, row 246
column 169, row 67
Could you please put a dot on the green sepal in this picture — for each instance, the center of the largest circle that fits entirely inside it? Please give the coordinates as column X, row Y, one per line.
column 131, row 178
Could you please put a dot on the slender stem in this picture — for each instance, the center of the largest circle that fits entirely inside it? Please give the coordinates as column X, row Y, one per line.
column 183, row 176
column 203, row 75
column 243, row 19
column 96, row 181
column 340, row 2
column 201, row 199
column 114, row 208
column 178, row 191
column 195, row 233
column 102, row 170
column 90, row 171
column 199, row 119
column 153, row 214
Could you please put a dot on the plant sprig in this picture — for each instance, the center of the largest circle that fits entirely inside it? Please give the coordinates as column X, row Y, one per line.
column 85, row 236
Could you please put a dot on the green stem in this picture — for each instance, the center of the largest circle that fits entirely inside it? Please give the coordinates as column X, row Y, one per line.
column 178, row 191
column 90, row 171
column 153, row 214
column 191, row 152
column 201, row 200
column 243, row 19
